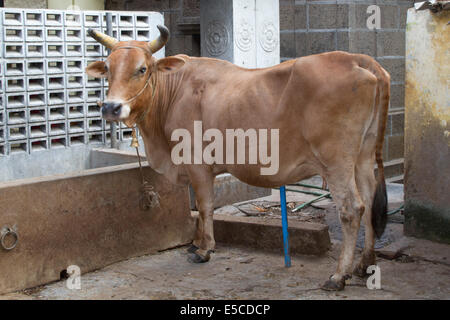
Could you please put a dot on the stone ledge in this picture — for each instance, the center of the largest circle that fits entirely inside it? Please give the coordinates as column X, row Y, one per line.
column 266, row 234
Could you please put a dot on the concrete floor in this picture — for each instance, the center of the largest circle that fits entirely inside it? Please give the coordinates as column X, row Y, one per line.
column 236, row 273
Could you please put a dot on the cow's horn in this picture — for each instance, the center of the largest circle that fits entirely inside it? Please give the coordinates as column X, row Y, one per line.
column 157, row 44
column 104, row 39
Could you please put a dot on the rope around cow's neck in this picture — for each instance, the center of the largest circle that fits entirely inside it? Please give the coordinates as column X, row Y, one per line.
column 140, row 91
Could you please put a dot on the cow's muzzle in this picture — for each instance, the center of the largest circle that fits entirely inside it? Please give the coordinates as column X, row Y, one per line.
column 111, row 111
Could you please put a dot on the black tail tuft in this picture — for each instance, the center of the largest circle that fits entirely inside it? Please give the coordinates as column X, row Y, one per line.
column 379, row 209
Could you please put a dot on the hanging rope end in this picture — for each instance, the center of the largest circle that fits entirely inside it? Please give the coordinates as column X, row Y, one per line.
column 149, row 198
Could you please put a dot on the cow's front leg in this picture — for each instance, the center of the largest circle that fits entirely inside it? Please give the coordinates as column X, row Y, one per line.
column 203, row 183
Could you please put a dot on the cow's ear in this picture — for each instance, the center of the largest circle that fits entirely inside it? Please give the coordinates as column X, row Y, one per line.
column 97, row 69
column 169, row 64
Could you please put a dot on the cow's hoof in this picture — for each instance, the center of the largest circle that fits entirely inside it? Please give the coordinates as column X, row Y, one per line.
column 199, row 258
column 360, row 271
column 192, row 248
column 333, row 285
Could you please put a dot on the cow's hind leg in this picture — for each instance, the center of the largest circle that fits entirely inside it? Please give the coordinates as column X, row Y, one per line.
column 366, row 182
column 345, row 194
column 203, row 183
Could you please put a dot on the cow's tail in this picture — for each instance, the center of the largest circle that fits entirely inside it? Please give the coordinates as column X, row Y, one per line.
column 379, row 206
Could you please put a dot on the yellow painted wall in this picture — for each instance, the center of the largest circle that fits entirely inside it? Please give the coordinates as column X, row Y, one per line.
column 427, row 125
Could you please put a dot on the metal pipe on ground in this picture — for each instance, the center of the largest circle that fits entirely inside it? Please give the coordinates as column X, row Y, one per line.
column 303, row 191
column 303, row 205
column 308, row 186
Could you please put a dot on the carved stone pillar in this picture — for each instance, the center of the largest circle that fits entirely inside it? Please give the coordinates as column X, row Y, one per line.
column 245, row 32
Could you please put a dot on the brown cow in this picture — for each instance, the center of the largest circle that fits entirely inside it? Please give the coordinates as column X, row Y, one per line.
column 330, row 109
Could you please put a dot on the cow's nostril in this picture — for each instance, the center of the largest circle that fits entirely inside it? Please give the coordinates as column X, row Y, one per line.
column 116, row 109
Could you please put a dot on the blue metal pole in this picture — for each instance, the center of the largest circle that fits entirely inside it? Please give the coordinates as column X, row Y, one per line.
column 284, row 223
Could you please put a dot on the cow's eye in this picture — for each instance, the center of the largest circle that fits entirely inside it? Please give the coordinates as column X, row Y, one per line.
column 143, row 70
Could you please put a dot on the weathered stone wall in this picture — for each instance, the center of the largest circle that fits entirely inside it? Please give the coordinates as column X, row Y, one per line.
column 182, row 17
column 30, row 4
